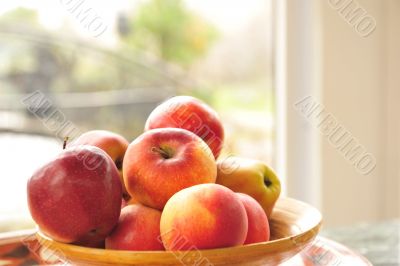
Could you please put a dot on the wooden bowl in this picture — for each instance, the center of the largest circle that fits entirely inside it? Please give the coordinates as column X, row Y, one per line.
column 294, row 225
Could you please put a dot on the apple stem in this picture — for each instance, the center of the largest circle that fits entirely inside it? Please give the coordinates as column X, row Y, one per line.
column 163, row 153
column 65, row 142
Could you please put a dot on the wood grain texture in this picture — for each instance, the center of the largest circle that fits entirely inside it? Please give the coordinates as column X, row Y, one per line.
column 293, row 226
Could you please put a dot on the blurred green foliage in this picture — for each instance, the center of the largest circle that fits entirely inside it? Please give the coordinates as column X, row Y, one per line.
column 20, row 15
column 171, row 31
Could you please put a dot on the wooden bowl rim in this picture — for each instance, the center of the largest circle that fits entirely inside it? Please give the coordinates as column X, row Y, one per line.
column 286, row 242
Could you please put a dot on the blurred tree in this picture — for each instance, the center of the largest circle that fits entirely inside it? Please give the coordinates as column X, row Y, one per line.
column 20, row 15
column 28, row 65
column 168, row 29
column 34, row 57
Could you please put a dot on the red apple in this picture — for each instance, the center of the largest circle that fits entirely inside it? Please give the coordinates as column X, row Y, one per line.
column 77, row 196
column 138, row 229
column 203, row 217
column 160, row 162
column 257, row 220
column 113, row 144
column 191, row 114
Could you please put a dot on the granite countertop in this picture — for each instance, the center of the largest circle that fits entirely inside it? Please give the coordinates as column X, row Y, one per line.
column 378, row 242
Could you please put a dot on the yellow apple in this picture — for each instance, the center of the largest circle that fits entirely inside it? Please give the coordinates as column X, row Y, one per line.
column 251, row 177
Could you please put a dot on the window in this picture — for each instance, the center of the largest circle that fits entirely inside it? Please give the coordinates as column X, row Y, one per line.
column 106, row 66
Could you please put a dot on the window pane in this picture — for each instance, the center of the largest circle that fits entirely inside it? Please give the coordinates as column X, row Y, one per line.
column 110, row 69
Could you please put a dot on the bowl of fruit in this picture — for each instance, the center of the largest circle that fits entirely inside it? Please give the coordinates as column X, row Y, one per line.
column 166, row 198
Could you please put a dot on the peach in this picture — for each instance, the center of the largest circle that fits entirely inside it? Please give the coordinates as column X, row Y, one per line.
column 202, row 217
column 258, row 225
column 138, row 228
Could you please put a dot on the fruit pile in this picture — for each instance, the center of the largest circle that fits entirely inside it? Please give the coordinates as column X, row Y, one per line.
column 164, row 191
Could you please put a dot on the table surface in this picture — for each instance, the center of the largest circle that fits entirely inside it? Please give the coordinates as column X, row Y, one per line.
column 379, row 242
